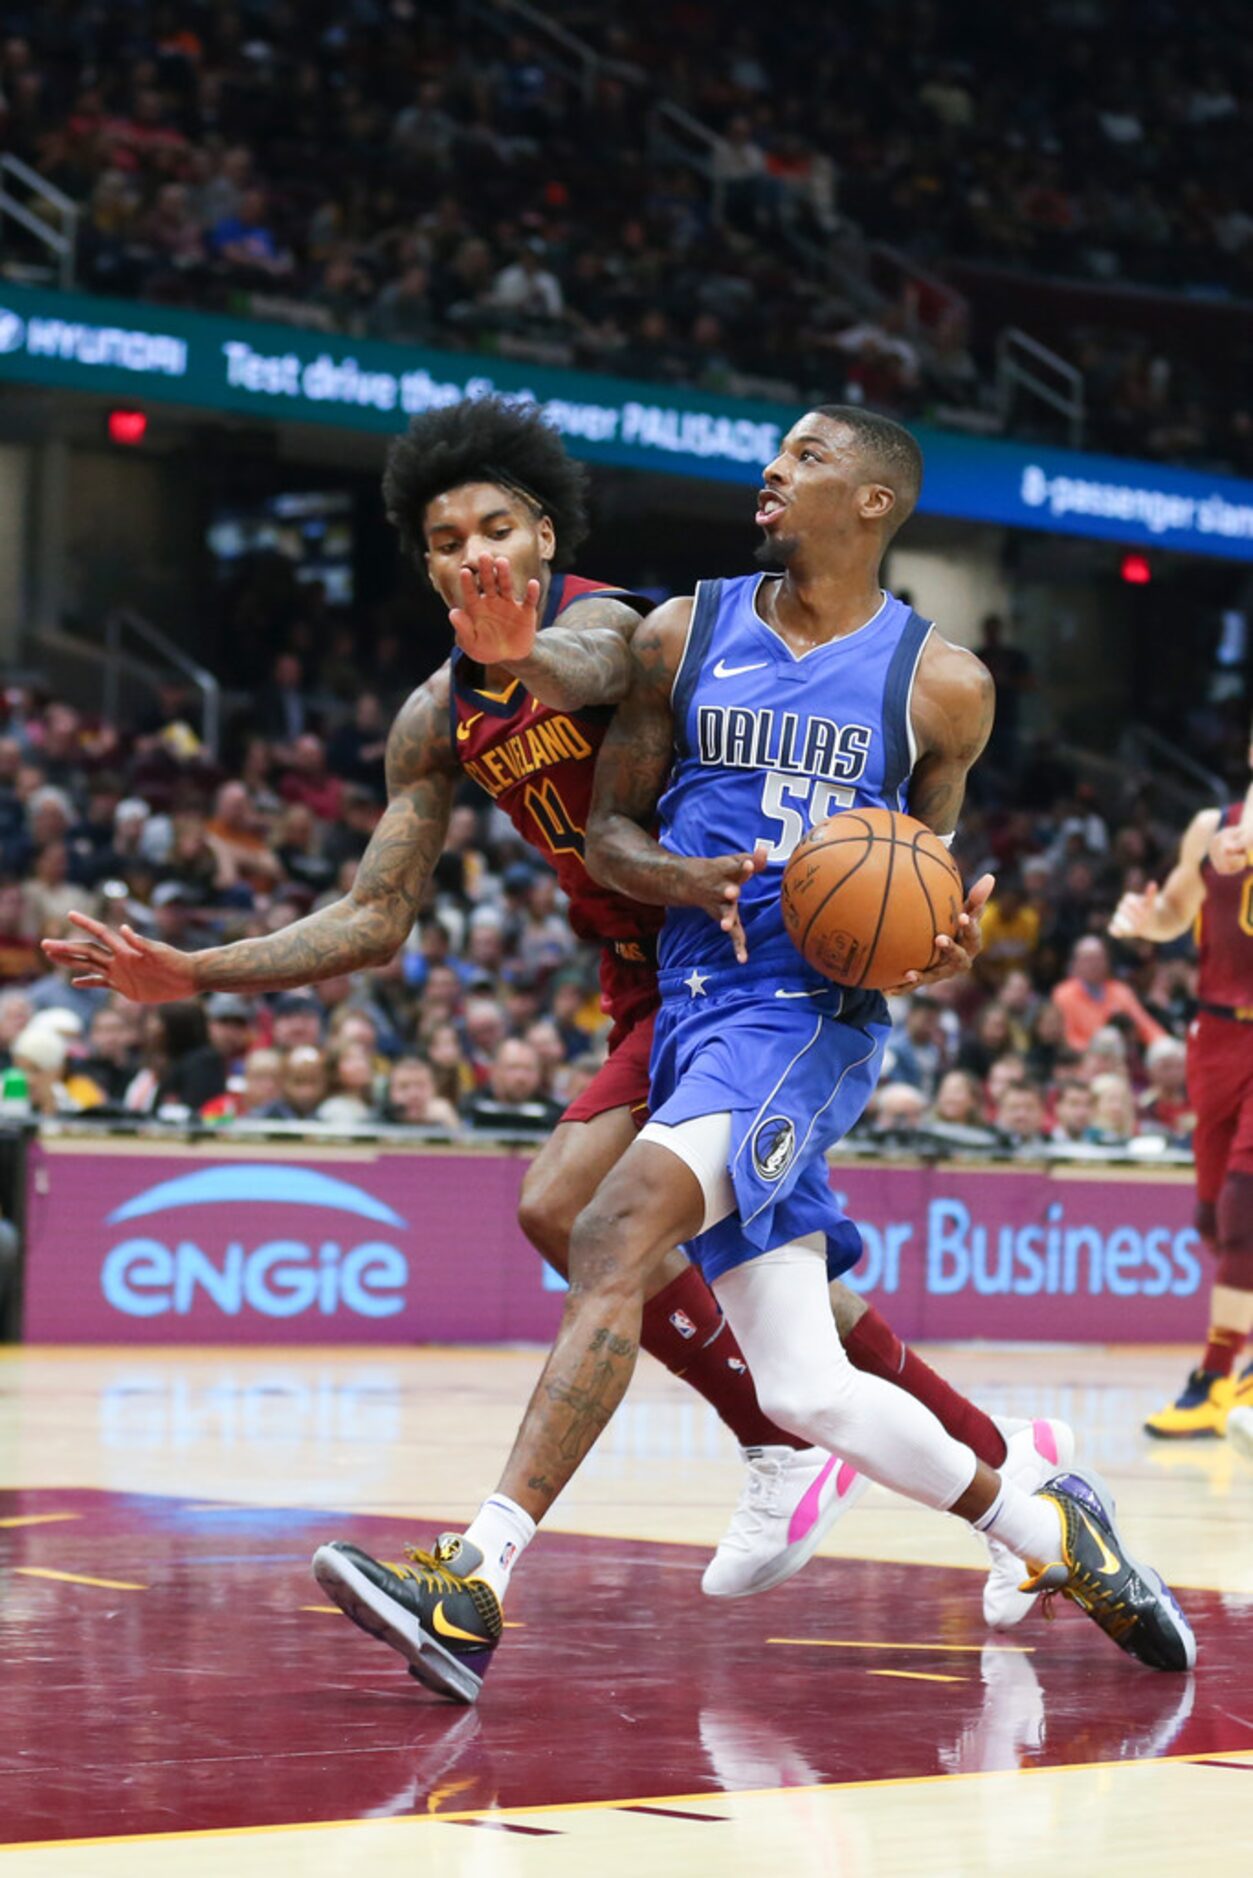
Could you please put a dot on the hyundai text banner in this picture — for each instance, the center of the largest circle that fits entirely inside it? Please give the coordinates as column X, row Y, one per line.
column 129, row 349
column 130, row 1244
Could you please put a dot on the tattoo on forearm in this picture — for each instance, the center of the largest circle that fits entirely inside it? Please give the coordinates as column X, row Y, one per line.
column 591, row 1404
column 588, row 663
column 370, row 923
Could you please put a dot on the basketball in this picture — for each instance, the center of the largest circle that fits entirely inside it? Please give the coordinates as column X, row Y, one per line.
column 865, row 895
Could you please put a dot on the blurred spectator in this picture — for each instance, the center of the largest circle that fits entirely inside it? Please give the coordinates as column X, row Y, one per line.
column 1163, row 1105
column 512, row 1098
column 958, row 1100
column 304, row 1087
column 1020, row 1115
column 297, row 1020
column 1113, row 1110
column 1072, row 1113
column 1011, row 933
column 111, row 1059
column 899, row 1109
column 1090, row 997
column 412, row 1097
column 262, row 1080
column 169, row 1035
column 915, row 1052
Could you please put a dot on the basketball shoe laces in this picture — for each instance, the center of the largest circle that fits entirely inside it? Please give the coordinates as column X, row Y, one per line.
column 759, row 1498
column 432, row 1573
column 1091, row 1594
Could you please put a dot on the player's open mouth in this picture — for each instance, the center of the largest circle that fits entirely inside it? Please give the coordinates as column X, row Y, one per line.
column 769, row 506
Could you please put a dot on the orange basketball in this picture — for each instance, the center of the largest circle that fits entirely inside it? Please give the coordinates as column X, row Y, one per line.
column 865, row 895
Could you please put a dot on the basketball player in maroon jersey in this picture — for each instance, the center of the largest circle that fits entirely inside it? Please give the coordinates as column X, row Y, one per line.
column 488, row 503
column 1211, row 886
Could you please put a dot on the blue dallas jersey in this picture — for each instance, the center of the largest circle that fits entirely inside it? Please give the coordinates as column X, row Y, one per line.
column 768, row 744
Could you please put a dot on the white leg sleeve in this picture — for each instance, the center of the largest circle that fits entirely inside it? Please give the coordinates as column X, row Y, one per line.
column 704, row 1147
column 779, row 1309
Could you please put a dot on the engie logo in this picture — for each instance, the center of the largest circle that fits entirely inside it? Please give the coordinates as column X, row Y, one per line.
column 12, row 330
column 281, row 1277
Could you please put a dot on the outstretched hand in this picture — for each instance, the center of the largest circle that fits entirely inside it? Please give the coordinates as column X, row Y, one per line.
column 957, row 954
column 493, row 626
column 1230, row 849
column 1134, row 913
column 716, row 887
column 121, row 960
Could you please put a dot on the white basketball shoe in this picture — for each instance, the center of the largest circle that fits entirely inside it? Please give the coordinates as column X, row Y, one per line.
column 1035, row 1451
column 1240, row 1430
column 792, row 1496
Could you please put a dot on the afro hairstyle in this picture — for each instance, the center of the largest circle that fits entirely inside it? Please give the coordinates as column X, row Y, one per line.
column 484, row 440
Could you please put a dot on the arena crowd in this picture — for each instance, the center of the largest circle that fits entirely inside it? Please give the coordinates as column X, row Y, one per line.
column 365, row 170
column 489, row 1017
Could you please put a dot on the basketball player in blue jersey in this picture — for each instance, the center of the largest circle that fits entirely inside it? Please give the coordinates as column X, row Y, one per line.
column 754, row 709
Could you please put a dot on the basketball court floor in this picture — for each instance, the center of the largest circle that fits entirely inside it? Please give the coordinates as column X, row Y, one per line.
column 177, row 1697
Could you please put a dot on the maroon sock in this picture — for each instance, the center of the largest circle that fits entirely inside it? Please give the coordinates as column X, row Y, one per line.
column 1221, row 1350
column 684, row 1329
column 874, row 1346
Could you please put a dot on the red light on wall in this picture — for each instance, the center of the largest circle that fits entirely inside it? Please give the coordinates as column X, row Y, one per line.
column 127, row 426
column 1135, row 570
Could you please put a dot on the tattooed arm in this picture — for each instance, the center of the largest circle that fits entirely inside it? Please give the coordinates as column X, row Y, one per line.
column 586, row 660
column 631, row 771
column 364, row 928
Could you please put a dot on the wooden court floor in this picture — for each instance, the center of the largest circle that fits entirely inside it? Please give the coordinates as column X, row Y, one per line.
column 179, row 1699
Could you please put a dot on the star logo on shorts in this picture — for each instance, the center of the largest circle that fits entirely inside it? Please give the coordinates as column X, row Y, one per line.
column 696, row 983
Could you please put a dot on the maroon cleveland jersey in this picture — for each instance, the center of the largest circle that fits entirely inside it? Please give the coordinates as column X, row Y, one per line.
column 1225, row 932
column 538, row 764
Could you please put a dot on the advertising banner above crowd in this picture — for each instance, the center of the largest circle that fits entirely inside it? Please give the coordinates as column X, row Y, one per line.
column 128, row 349
column 140, row 1243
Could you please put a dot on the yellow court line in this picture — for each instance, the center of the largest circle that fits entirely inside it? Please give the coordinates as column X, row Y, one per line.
column 37, row 1519
column 915, row 1675
column 77, row 1578
column 852, row 1643
column 608, row 1806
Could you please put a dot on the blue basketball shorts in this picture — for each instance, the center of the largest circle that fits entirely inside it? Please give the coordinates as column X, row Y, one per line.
column 794, row 1069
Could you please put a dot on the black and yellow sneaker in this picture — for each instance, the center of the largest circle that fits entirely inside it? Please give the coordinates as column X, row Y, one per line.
column 1199, row 1414
column 443, row 1620
column 1129, row 1601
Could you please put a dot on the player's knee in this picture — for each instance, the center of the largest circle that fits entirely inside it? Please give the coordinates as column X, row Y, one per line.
column 1235, row 1232
column 545, row 1213
column 611, row 1242
column 808, row 1403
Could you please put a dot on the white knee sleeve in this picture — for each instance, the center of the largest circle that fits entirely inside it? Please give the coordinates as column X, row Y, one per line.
column 704, row 1147
column 779, row 1308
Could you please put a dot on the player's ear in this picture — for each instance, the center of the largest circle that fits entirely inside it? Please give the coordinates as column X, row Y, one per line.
column 877, row 502
column 546, row 535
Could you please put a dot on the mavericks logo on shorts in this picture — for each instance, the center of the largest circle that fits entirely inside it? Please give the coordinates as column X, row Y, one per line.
column 774, row 1144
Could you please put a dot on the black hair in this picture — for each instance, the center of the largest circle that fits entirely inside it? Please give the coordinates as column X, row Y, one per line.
column 485, row 440
column 889, row 453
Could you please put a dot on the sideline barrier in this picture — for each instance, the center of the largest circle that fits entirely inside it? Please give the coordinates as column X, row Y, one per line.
column 145, row 1239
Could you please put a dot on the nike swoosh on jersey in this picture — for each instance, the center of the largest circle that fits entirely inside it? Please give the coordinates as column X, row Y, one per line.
column 464, row 729
column 733, row 671
column 443, row 1628
column 815, row 993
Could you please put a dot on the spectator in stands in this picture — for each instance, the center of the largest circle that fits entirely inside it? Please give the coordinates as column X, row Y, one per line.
column 245, row 243
column 527, row 288
column 170, row 1034
column 1020, row 1115
column 50, row 894
column 899, row 1109
column 545, row 1039
column 309, row 781
column 111, row 1059
column 454, row 1079
column 512, row 1099
column 413, row 1099
column 1090, row 997
column 1163, row 1105
column 282, row 711
column 16, row 1012
column 915, row 1050
column 1072, row 1113
column 1008, row 1072
column 1011, row 934
column 240, row 839
column 990, row 1040
column 304, row 1087
column 958, row 1100
column 20, row 957
column 262, row 1081
column 297, row 1020
column 1113, row 1110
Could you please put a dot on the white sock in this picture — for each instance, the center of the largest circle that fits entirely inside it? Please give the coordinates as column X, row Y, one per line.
column 1029, row 1526
column 502, row 1531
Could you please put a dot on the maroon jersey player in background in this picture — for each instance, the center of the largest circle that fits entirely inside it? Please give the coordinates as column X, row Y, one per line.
column 486, row 501
column 1211, row 886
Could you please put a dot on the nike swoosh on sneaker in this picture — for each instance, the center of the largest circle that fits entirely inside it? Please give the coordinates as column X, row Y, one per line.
column 1109, row 1564
column 722, row 670
column 443, row 1628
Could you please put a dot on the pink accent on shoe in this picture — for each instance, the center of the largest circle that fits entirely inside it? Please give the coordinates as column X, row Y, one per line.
column 806, row 1512
column 844, row 1479
column 1045, row 1444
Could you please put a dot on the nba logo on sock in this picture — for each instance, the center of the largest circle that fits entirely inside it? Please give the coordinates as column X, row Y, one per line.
column 508, row 1555
column 681, row 1322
